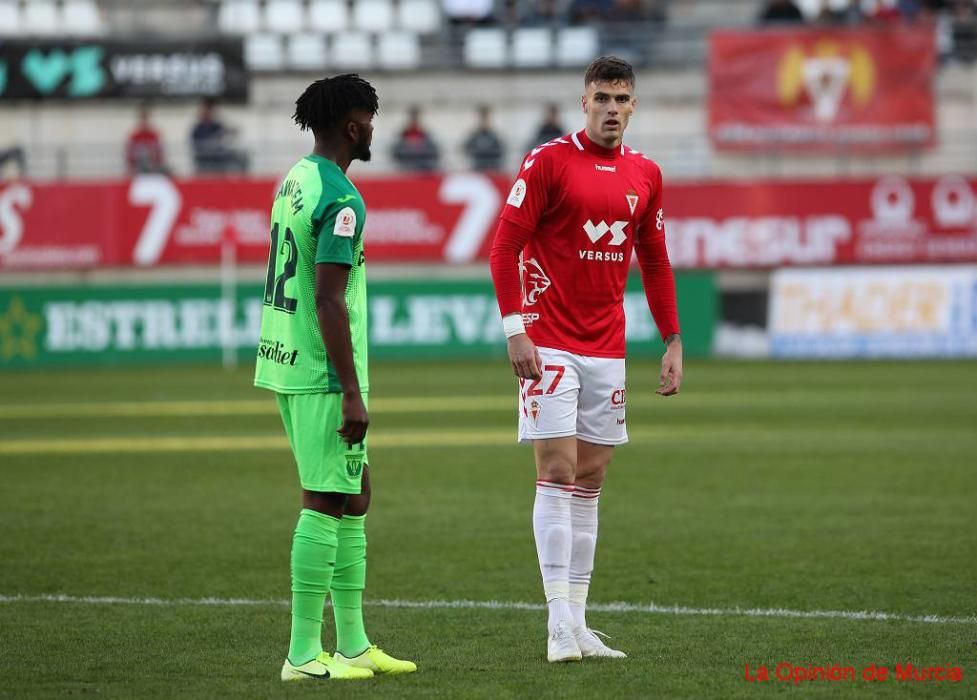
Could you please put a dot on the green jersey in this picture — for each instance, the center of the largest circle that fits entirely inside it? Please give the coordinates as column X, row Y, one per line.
column 317, row 217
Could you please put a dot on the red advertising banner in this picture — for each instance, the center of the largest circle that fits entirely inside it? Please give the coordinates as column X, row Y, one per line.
column 152, row 220
column 822, row 90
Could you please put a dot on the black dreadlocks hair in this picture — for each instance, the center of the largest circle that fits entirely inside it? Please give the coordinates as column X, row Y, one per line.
column 609, row 69
column 328, row 101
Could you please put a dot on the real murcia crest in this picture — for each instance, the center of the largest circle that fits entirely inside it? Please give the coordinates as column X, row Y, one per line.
column 534, row 281
column 632, row 200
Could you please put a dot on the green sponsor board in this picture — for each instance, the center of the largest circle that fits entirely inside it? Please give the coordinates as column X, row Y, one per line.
column 45, row 326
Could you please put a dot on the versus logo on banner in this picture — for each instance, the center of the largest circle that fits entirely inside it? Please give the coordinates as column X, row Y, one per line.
column 42, row 326
column 101, row 69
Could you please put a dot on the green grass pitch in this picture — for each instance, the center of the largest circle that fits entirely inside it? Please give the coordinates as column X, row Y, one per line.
column 141, row 494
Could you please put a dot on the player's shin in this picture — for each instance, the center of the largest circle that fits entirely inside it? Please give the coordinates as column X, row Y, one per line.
column 583, row 516
column 313, row 558
column 348, row 582
column 553, row 532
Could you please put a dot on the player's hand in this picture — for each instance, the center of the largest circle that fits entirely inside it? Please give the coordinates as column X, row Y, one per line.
column 355, row 419
column 670, row 380
column 525, row 359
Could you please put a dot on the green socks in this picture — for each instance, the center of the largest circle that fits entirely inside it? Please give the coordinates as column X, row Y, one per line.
column 313, row 558
column 348, row 582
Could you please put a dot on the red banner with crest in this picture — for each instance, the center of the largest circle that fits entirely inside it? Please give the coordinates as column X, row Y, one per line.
column 823, row 90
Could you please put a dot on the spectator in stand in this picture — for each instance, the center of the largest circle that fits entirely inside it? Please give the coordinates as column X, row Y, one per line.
column 965, row 31
column 13, row 154
column 839, row 13
column 541, row 13
column 586, row 11
column 144, row 148
column 483, row 146
column 415, row 149
column 881, row 11
column 781, row 12
column 550, row 128
column 211, row 141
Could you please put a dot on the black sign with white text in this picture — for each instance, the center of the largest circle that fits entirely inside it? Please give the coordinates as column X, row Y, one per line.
column 106, row 69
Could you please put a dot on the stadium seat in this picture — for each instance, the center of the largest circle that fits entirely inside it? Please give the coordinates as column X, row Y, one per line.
column 485, row 48
column 399, row 50
column 352, row 50
column 576, row 46
column 9, row 18
column 284, row 16
column 809, row 8
column 532, row 47
column 81, row 18
column 329, row 16
column 306, row 51
column 40, row 18
column 264, row 52
column 421, row 16
column 239, row 17
column 373, row 15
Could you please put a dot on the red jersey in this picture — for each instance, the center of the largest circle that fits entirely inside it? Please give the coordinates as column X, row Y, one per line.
column 576, row 213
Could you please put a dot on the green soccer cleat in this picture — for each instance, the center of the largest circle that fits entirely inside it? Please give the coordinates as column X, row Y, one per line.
column 324, row 667
column 378, row 661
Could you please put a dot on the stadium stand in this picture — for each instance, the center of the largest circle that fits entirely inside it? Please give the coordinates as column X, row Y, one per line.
column 524, row 51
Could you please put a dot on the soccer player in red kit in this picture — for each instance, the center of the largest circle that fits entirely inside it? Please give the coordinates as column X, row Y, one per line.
column 579, row 207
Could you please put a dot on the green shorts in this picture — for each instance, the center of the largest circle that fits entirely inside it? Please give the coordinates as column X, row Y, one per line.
column 325, row 462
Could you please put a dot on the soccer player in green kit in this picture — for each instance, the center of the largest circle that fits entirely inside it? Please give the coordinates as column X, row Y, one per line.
column 313, row 355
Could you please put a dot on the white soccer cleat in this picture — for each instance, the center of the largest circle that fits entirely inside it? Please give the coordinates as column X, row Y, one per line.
column 562, row 646
column 591, row 645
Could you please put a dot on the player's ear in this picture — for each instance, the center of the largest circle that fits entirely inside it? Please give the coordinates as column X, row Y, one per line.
column 583, row 102
column 352, row 131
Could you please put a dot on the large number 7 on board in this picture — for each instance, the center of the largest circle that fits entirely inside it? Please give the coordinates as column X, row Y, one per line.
column 534, row 389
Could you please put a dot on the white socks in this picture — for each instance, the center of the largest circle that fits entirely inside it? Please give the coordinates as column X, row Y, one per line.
column 552, row 528
column 583, row 519
column 565, row 526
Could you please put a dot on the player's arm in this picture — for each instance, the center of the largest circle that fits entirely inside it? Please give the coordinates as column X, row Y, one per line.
column 520, row 215
column 330, row 306
column 659, row 284
column 334, row 259
column 510, row 239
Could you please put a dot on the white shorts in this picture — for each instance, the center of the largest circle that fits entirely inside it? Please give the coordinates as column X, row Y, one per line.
column 578, row 395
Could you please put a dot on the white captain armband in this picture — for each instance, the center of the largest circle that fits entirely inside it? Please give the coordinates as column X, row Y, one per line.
column 512, row 325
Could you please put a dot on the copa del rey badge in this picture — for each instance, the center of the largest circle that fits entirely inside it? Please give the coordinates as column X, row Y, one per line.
column 632, row 200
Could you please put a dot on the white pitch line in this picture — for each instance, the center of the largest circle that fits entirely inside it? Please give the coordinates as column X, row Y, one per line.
column 649, row 608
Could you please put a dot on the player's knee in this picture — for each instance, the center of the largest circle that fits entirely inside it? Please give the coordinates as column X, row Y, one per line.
column 591, row 476
column 327, row 503
column 557, row 468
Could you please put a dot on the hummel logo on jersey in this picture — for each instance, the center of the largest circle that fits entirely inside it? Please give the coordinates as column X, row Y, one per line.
column 605, row 168
column 595, row 233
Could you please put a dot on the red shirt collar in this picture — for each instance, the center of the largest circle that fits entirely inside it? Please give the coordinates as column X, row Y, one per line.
column 597, row 149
